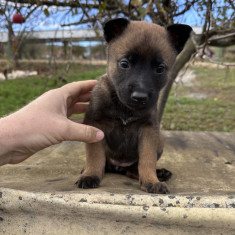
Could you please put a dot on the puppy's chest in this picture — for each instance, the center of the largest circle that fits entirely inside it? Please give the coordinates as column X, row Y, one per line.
column 125, row 118
column 121, row 131
column 121, row 136
column 121, row 142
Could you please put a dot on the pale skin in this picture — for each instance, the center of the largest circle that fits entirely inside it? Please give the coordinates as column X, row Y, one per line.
column 45, row 122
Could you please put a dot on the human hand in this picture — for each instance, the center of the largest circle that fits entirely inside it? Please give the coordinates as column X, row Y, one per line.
column 45, row 122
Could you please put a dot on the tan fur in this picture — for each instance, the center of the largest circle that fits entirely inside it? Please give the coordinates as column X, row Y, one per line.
column 134, row 36
column 95, row 160
column 140, row 36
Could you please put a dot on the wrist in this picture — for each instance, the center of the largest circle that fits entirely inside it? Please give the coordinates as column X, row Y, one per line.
column 8, row 139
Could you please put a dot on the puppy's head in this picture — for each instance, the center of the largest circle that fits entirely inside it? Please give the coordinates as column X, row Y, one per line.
column 140, row 56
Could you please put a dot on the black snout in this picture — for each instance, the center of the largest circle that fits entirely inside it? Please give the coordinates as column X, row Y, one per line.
column 139, row 97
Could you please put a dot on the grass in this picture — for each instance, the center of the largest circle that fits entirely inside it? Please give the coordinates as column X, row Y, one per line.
column 215, row 113
column 16, row 93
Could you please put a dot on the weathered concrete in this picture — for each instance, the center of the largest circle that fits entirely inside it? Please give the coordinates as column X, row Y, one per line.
column 39, row 196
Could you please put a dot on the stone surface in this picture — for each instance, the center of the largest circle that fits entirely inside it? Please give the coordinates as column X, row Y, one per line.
column 39, row 195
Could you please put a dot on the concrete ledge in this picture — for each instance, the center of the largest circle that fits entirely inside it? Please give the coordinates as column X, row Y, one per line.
column 39, row 196
column 23, row 210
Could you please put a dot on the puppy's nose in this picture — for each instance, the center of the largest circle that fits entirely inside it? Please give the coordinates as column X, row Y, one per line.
column 139, row 97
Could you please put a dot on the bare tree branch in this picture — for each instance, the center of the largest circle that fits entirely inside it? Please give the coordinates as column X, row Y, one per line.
column 30, row 12
column 231, row 4
column 207, row 24
column 71, row 4
column 85, row 21
column 182, row 59
column 222, row 40
column 187, row 7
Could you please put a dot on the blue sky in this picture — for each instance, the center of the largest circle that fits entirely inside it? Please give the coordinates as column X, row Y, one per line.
column 58, row 15
column 53, row 21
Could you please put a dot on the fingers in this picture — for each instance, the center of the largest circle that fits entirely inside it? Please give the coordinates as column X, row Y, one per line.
column 77, row 109
column 84, row 133
column 76, row 89
column 77, row 120
column 83, row 98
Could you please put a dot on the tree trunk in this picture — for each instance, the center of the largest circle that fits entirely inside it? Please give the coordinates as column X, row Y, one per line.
column 12, row 47
column 10, row 36
column 181, row 60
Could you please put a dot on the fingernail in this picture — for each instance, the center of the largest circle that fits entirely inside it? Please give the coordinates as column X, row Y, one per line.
column 99, row 135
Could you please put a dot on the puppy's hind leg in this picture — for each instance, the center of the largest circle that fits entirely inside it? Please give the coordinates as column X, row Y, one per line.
column 162, row 174
column 94, row 169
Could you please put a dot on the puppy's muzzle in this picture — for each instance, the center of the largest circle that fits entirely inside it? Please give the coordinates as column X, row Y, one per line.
column 139, row 97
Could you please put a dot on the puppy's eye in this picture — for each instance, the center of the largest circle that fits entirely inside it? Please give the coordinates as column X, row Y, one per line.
column 124, row 64
column 160, row 68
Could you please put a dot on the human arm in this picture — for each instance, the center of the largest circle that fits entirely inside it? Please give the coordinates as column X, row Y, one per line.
column 45, row 122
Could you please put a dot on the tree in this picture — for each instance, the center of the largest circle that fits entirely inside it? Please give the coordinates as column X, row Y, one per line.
column 15, row 41
column 217, row 20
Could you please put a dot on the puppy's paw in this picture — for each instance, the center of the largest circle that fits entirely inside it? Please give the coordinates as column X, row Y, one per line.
column 163, row 174
column 88, row 182
column 159, row 188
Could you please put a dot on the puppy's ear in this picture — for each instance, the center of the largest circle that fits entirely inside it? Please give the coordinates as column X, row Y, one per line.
column 114, row 28
column 179, row 34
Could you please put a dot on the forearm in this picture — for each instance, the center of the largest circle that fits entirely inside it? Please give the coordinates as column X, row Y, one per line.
column 6, row 140
column 10, row 139
column 45, row 122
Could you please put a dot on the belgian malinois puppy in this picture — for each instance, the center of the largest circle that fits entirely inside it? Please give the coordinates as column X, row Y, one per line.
column 124, row 102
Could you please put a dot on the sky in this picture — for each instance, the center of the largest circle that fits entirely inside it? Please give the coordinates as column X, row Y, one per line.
column 57, row 16
column 53, row 22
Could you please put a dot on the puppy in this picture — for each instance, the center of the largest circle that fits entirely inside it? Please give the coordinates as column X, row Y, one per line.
column 124, row 102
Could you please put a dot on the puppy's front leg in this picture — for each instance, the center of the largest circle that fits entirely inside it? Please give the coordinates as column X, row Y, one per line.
column 148, row 148
column 95, row 164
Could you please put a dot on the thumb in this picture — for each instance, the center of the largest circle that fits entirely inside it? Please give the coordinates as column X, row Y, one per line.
column 84, row 133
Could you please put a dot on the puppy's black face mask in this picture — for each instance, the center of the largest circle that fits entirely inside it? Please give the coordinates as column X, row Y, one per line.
column 140, row 55
column 138, row 79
